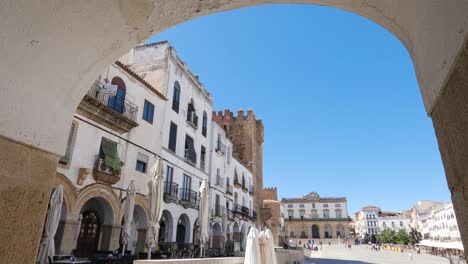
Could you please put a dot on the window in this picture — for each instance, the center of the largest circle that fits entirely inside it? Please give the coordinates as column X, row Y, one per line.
column 169, row 173
column 401, row 223
column 302, row 213
column 204, row 124
column 325, row 205
column 117, row 102
column 313, row 205
column 326, row 214
column 148, row 112
column 141, row 163
column 290, row 205
column 190, row 153
column 187, row 184
column 337, row 205
column 217, row 206
column 338, row 213
column 301, row 205
column 314, row 214
column 384, row 224
column 192, row 117
column 176, row 97
column 67, row 157
column 173, row 137
column 393, row 224
column 108, row 154
column 290, row 214
column 202, row 157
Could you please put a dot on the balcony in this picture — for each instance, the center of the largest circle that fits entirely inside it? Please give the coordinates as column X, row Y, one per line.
column 171, row 191
column 237, row 184
column 218, row 210
column 229, row 190
column 220, row 148
column 254, row 215
column 95, row 107
column 103, row 173
column 230, row 214
column 245, row 211
column 219, row 180
column 251, row 190
column 188, row 198
column 244, row 188
column 192, row 120
column 237, row 211
column 190, row 157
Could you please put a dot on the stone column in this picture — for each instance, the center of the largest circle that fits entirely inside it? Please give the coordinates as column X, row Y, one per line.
column 110, row 237
column 450, row 119
column 141, row 240
column 26, row 180
column 70, row 235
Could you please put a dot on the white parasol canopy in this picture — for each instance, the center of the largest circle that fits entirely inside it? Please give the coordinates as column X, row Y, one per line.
column 155, row 204
column 269, row 248
column 47, row 246
column 203, row 216
column 129, row 206
column 252, row 249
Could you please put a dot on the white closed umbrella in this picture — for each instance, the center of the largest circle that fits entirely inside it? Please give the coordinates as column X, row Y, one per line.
column 252, row 248
column 269, row 249
column 129, row 205
column 203, row 217
column 155, row 204
column 47, row 246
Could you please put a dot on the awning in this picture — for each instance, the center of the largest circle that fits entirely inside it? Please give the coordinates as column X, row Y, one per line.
column 111, row 158
column 438, row 244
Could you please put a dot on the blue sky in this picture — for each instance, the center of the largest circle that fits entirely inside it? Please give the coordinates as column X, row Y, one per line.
column 338, row 96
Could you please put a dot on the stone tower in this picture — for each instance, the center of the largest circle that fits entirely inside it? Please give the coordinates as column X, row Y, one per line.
column 246, row 134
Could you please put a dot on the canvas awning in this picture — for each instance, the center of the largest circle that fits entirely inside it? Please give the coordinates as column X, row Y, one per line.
column 111, row 157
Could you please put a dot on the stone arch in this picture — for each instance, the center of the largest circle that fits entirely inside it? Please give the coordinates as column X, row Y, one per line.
column 327, row 231
column 166, row 227
column 195, row 237
column 340, row 231
column 315, row 231
column 95, row 191
column 217, row 235
column 236, row 232
column 243, row 234
column 183, row 230
column 69, row 191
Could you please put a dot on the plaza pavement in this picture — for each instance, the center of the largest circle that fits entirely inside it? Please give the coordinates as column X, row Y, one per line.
column 338, row 254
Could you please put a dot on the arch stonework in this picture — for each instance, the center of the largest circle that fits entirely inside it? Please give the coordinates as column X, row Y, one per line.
column 37, row 108
column 98, row 190
column 69, row 192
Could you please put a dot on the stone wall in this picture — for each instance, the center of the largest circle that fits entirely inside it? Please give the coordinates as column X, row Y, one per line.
column 270, row 194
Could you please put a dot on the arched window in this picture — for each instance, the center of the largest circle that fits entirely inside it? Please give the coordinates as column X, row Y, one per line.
column 117, row 102
column 204, row 123
column 303, row 234
column 176, row 97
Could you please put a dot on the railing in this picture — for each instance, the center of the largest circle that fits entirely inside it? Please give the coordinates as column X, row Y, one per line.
column 170, row 191
column 229, row 189
column 219, row 180
column 236, row 182
column 104, row 173
column 129, row 110
column 190, row 157
column 230, row 214
column 188, row 197
column 218, row 210
column 202, row 165
column 251, row 189
column 244, row 187
column 220, row 148
column 237, row 209
column 245, row 211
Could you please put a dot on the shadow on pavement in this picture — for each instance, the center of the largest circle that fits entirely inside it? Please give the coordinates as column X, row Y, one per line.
column 333, row 261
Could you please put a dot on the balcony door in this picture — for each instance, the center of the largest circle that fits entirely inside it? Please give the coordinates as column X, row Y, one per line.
column 117, row 102
column 186, row 187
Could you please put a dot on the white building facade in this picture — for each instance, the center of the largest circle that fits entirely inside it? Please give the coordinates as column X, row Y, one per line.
column 394, row 222
column 367, row 221
column 159, row 109
column 443, row 225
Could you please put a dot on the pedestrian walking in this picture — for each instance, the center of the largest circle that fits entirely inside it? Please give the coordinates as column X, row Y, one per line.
column 411, row 256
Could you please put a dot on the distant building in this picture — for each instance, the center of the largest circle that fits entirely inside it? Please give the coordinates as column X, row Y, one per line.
column 315, row 217
column 276, row 221
column 393, row 221
column 371, row 220
column 420, row 216
column 443, row 225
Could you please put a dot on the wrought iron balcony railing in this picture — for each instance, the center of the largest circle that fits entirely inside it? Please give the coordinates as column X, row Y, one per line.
column 171, row 191
column 188, row 198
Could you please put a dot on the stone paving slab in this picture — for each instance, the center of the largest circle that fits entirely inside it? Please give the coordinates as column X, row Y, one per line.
column 338, row 254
